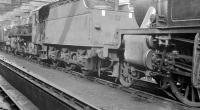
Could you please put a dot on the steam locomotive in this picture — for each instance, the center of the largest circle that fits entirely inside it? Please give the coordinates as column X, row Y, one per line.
column 158, row 41
column 165, row 47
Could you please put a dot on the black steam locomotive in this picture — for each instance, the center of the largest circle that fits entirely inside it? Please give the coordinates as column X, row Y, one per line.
column 165, row 47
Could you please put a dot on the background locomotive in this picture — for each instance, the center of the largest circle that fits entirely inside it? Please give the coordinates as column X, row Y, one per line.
column 157, row 42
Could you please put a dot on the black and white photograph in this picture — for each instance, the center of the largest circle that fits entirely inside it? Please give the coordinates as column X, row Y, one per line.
column 99, row 54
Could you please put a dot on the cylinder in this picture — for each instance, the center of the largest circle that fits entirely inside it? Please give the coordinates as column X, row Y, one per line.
column 137, row 51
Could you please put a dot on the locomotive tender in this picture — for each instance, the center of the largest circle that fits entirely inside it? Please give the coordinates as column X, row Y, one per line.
column 157, row 42
column 82, row 37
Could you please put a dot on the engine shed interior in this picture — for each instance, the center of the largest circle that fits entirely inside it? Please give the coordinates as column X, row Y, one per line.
column 155, row 41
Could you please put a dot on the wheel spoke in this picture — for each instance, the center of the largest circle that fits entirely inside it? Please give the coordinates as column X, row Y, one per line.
column 125, row 76
column 193, row 94
column 126, row 79
column 99, row 68
column 198, row 93
column 189, row 96
column 129, row 79
column 187, row 91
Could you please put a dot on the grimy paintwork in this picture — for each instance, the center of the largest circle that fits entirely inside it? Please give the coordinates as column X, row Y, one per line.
column 171, row 13
column 82, row 26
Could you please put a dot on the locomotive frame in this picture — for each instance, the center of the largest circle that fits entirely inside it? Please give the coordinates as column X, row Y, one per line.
column 194, row 76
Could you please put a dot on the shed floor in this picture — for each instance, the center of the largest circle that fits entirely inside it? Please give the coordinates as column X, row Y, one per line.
column 101, row 96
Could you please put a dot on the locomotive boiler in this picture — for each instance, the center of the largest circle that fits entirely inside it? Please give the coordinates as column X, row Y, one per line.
column 165, row 47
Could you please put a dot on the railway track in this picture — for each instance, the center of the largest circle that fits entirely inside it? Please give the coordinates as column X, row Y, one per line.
column 145, row 91
column 12, row 99
column 69, row 101
column 6, row 101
